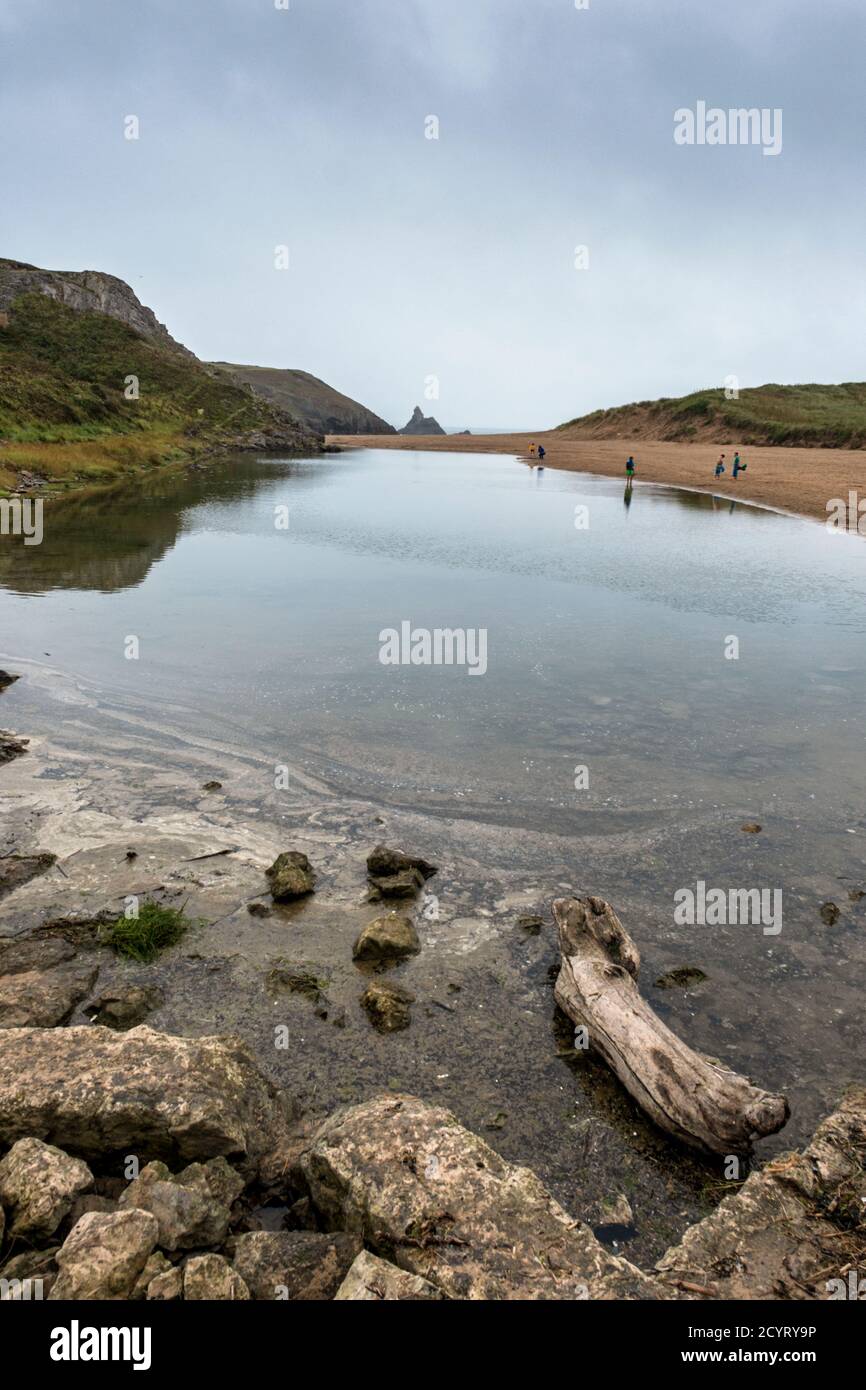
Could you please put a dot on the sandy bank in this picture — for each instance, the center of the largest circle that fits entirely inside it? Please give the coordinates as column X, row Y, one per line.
column 792, row 480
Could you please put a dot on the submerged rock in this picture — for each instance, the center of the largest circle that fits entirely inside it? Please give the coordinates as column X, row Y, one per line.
column 682, row 977
column 103, row 1256
column 7, row 679
column 97, row 1093
column 387, row 939
column 371, row 1280
column 310, row 981
column 291, row 876
column 387, row 1007
column 830, row 914
column 432, row 1197
column 38, row 1185
column 11, row 747
column 294, row 1265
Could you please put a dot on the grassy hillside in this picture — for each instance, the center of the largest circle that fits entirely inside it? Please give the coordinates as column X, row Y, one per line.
column 63, row 411
column 314, row 402
column 831, row 417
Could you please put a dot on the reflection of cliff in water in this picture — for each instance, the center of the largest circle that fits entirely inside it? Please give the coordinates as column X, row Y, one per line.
column 111, row 538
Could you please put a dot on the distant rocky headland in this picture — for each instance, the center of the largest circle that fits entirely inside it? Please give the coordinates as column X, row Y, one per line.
column 421, row 424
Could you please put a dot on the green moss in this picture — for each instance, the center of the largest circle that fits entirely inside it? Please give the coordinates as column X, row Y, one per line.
column 142, row 938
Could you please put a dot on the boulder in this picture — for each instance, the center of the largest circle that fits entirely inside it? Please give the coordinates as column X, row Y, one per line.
column 301, row 1266
column 189, row 1214
column 212, row 1277
column 433, row 1198
column 44, row 998
column 38, row 1185
column 387, row 939
column 125, row 1007
column 100, row 1094
column 155, row 1268
column 371, row 1280
column 104, row 1255
column 387, row 1007
column 392, row 874
column 291, row 876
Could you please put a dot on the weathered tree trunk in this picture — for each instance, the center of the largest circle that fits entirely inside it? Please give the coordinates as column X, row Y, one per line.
column 698, row 1101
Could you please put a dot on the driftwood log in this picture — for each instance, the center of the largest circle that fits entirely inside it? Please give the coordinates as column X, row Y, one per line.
column 697, row 1100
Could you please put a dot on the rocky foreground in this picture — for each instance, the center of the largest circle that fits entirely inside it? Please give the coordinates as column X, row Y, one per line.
column 138, row 1165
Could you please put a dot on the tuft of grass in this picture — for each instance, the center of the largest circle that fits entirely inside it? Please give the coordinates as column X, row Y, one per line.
column 142, row 938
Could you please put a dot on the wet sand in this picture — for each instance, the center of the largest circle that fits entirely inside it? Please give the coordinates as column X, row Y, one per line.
column 802, row 481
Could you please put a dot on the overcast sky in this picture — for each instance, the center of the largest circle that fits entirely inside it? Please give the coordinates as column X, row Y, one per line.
column 412, row 258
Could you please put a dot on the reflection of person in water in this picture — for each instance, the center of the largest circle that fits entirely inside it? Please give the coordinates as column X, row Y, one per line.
column 627, row 495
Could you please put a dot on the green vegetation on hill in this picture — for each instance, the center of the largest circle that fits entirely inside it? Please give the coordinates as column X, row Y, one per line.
column 62, row 377
column 809, row 416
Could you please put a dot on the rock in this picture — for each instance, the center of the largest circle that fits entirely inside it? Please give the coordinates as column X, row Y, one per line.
column 294, row 1265
column 311, row 981
column 531, row 922
column 387, row 1007
column 212, row 786
column 212, row 1277
column 188, row 1214
column 421, row 424
column 38, row 1184
column 18, row 869
column 291, row 876
column 791, row 1230
column 29, row 1276
column 392, row 874
column 81, row 1206
column 615, row 1219
column 104, row 1255
column 830, row 914
column 11, row 747
column 125, row 1007
column 432, row 1197
column 387, row 939
column 6, row 679
column 258, row 910
column 100, row 1094
column 751, row 828
column 167, row 1286
column 683, row 977
column 371, row 1280
column 156, row 1267
column 44, row 998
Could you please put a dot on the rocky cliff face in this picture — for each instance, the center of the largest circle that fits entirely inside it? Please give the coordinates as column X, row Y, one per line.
column 88, row 291
column 319, row 406
column 421, row 424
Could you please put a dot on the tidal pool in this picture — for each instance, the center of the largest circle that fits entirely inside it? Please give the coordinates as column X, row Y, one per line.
column 659, row 668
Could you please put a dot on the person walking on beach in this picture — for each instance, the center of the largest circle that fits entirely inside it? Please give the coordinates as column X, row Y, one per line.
column 629, row 468
column 720, row 466
column 541, row 452
column 738, row 467
column 532, row 451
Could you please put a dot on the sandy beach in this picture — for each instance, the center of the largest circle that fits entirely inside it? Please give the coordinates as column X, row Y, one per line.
column 802, row 481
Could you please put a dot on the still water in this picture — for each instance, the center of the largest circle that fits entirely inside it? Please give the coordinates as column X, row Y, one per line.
column 661, row 668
